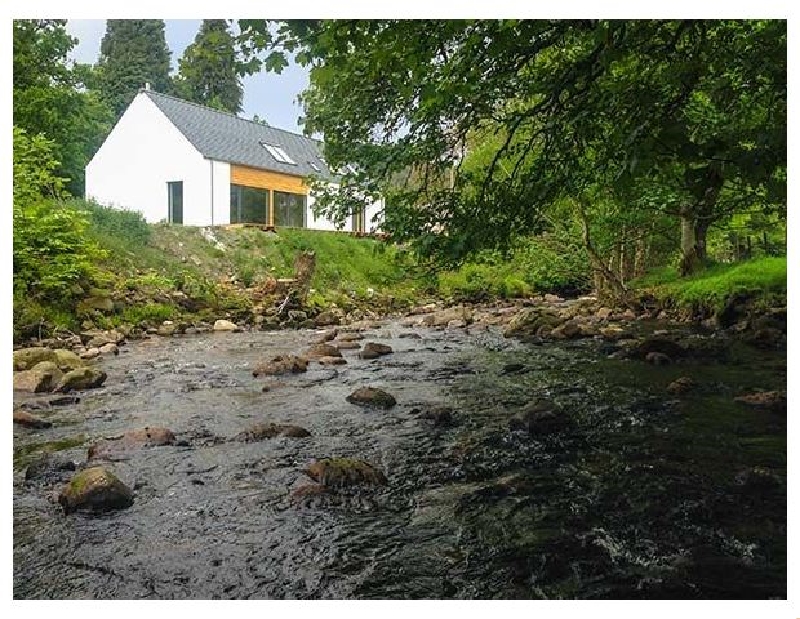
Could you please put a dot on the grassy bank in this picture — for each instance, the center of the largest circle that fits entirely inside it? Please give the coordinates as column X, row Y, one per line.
column 761, row 279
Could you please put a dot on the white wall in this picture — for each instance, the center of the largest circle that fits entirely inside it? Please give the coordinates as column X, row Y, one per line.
column 323, row 223
column 222, row 192
column 142, row 153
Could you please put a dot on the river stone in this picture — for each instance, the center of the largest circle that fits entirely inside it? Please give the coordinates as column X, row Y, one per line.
column 604, row 313
column 441, row 416
column 95, row 490
column 322, row 350
column 327, row 336
column 282, row 364
column 775, row 400
column 540, row 419
column 348, row 345
column 671, row 349
column 261, row 431
column 370, row 396
column 332, row 361
column 82, row 378
column 326, row 318
column 612, row 332
column 373, row 350
column 36, row 381
column 681, row 385
column 27, row 420
column 225, row 325
column 67, row 360
column 341, row 472
column 444, row 317
column 64, row 400
column 166, row 329
column 350, row 337
column 567, row 330
column 109, row 349
column 90, row 353
column 307, row 493
column 114, row 448
column 657, row 358
column 26, row 358
column 48, row 467
column 530, row 321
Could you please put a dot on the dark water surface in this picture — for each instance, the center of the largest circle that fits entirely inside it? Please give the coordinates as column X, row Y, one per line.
column 642, row 495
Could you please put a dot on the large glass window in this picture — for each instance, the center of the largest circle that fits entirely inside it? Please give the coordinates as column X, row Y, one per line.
column 290, row 209
column 175, row 202
column 248, row 205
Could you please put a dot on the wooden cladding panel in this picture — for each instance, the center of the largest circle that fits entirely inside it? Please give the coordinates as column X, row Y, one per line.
column 264, row 179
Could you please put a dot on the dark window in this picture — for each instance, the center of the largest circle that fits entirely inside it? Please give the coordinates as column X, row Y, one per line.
column 175, row 202
column 290, row 209
column 248, row 205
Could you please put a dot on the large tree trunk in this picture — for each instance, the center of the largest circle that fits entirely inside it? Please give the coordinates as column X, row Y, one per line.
column 695, row 220
column 690, row 259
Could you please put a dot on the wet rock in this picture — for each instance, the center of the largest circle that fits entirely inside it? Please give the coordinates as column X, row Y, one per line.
column 306, row 494
column 657, row 358
column 373, row 350
column 48, row 467
column 82, row 378
column 531, row 321
column 261, row 431
column 604, row 313
column 512, row 368
column 347, row 345
column 166, row 329
column 109, row 349
column 767, row 338
column 663, row 346
column 326, row 318
column 612, row 333
column 444, row 317
column 775, row 400
column 65, row 400
column 26, row 358
column 552, row 298
column 115, row 448
column 95, row 490
column 90, row 353
column 540, row 418
column 342, row 472
column 440, row 416
column 322, row 350
column 29, row 421
column 410, row 335
column 351, row 337
column 567, row 330
column 282, row 364
column 67, row 360
column 225, row 325
column 681, row 385
column 332, row 361
column 37, row 381
column 327, row 336
column 370, row 396
column 457, row 324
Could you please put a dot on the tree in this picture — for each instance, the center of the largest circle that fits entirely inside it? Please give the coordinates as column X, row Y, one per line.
column 524, row 114
column 133, row 53
column 208, row 69
column 56, row 98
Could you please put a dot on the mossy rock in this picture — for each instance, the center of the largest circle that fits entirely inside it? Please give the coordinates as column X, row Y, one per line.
column 341, row 472
column 95, row 490
column 373, row 350
column 322, row 350
column 282, row 364
column 261, row 431
column 26, row 358
column 371, row 396
column 67, row 360
column 82, row 378
column 530, row 320
column 37, row 381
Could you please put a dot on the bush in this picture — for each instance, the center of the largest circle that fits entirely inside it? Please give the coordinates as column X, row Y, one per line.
column 129, row 227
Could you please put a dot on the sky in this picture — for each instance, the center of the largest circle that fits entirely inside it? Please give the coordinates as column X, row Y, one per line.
column 272, row 97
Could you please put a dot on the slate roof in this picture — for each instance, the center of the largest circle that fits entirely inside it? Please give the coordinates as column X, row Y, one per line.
column 225, row 137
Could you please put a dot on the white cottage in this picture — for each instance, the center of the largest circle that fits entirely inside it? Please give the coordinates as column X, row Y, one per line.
column 188, row 164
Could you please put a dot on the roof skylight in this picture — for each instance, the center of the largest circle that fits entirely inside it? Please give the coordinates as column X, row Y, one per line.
column 278, row 154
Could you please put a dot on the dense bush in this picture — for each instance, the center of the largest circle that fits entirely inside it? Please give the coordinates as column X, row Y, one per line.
column 111, row 222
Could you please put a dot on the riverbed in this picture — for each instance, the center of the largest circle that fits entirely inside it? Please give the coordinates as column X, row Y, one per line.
column 643, row 494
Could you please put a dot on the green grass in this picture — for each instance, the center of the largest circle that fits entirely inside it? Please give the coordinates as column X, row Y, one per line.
column 714, row 285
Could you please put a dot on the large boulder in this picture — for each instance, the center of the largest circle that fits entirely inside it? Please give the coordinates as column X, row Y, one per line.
column 659, row 345
column 116, row 448
column 322, row 350
column 327, row 318
column 82, row 378
column 373, row 350
column 332, row 361
column 27, row 420
column 282, row 364
column 95, row 490
column 531, row 321
column 340, row 472
column 37, row 380
column 370, row 396
column 225, row 325
column 444, row 317
column 26, row 358
column 261, row 431
column 67, row 360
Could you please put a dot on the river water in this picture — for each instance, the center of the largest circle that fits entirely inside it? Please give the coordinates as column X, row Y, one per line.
column 642, row 495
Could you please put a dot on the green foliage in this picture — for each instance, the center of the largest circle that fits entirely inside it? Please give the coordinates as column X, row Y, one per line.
column 207, row 71
column 55, row 98
column 713, row 286
column 111, row 222
column 133, row 52
column 148, row 313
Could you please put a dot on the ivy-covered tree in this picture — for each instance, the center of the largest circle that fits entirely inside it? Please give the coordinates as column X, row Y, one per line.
column 57, row 98
column 492, row 122
column 133, row 52
column 207, row 72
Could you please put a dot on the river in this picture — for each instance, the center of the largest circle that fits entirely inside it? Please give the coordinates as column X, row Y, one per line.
column 643, row 494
